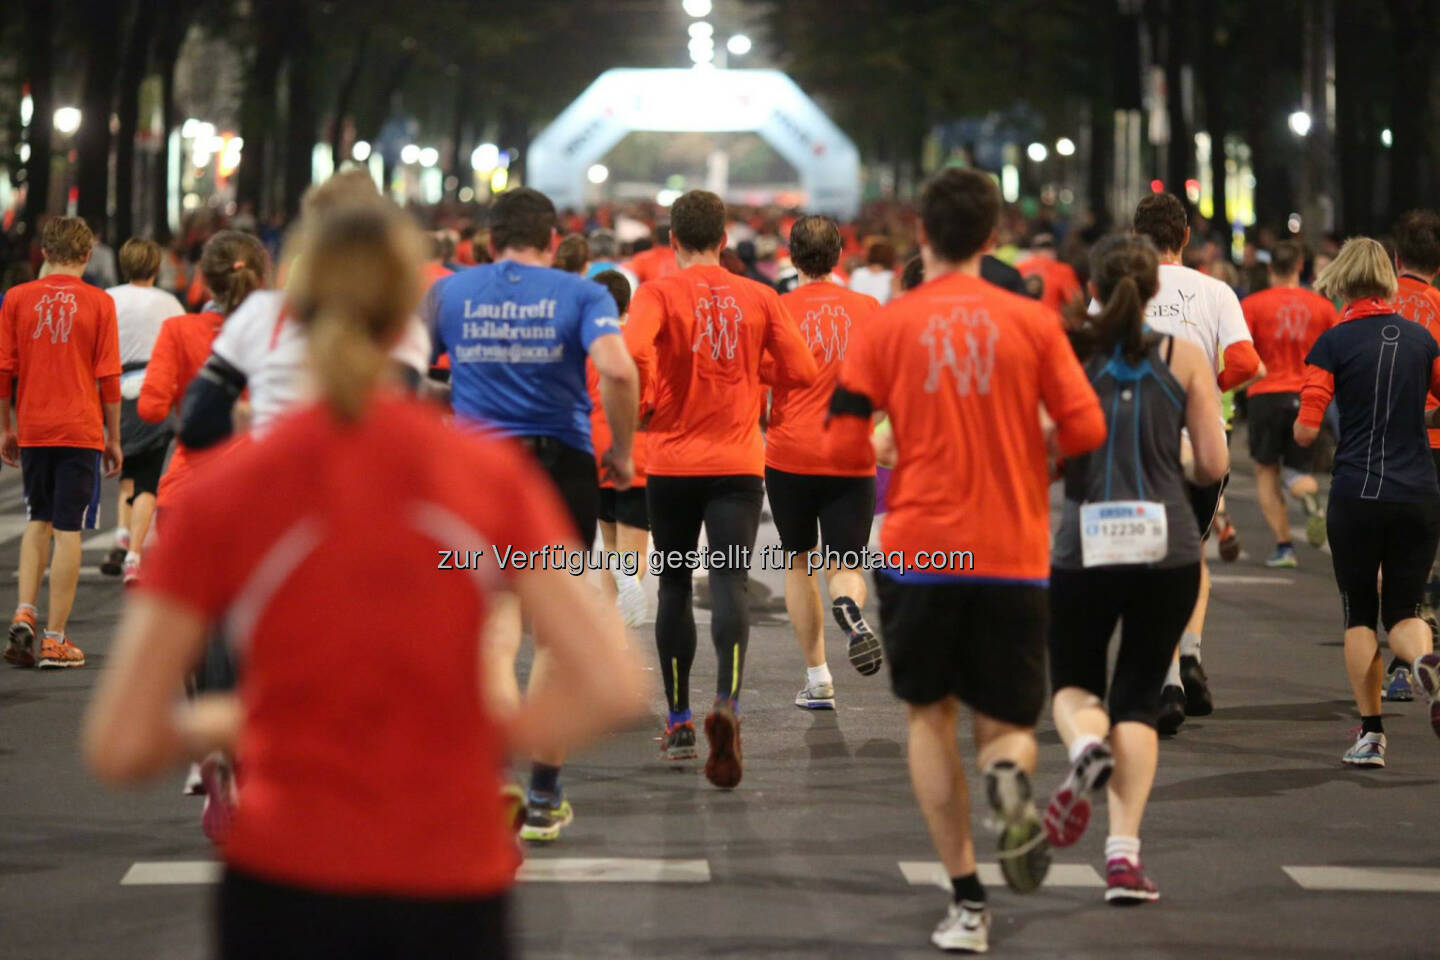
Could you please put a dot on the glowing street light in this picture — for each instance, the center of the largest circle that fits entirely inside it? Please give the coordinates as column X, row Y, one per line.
column 67, row 120
column 361, row 151
column 701, row 28
column 699, row 53
column 598, row 173
column 1065, row 147
column 410, row 153
column 1386, row 137
column 27, row 110
column 1300, row 123
column 739, row 45
column 428, row 157
column 697, row 8
column 484, row 158
column 1037, row 152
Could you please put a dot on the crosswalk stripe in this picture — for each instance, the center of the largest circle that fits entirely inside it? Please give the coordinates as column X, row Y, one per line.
column 923, row 873
column 86, row 573
column 1240, row 578
column 1390, row 879
column 536, row 870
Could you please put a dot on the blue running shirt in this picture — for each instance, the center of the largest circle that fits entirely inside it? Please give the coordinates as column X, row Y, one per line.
column 518, row 337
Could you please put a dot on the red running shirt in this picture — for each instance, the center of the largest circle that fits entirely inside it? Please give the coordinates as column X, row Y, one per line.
column 369, row 765
column 698, row 338
column 1061, row 284
column 59, row 337
column 1285, row 322
column 830, row 316
column 962, row 368
column 1419, row 302
column 180, row 351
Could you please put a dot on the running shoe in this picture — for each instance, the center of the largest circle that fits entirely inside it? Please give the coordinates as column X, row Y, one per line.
column 722, row 728
column 1227, row 539
column 546, row 814
column 59, row 652
column 1315, row 532
column 21, row 649
column 1282, row 557
column 862, row 646
column 1427, row 677
column 965, row 928
column 130, row 571
column 679, row 742
column 512, row 805
column 1368, row 750
column 1172, row 709
column 630, row 598
column 1068, row 813
column 1197, row 688
column 1397, row 687
column 1024, row 853
column 194, row 786
column 1126, row 884
column 816, row 696
column 218, row 783
column 114, row 562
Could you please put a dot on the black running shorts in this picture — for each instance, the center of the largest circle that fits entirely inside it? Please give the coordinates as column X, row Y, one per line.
column 573, row 472
column 1367, row 536
column 983, row 643
column 144, row 468
column 62, row 486
column 809, row 509
column 1272, row 432
column 624, row 506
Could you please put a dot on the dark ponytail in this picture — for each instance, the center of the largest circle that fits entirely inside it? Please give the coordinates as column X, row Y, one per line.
column 235, row 265
column 1125, row 271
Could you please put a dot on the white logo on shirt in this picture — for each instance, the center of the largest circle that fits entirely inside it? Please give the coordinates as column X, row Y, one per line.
column 973, row 361
column 57, row 315
column 1292, row 322
column 1418, row 309
column 717, row 319
column 827, row 331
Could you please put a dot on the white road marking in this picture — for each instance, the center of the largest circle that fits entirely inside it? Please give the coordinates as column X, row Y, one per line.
column 12, row 526
column 1389, row 879
column 922, row 873
column 86, row 573
column 1240, row 578
column 538, row 870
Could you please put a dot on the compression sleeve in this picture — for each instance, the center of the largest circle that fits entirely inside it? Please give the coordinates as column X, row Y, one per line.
column 205, row 413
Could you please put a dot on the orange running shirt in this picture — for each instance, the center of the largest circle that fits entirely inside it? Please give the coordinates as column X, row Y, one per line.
column 1061, row 284
column 698, row 338
column 962, row 368
column 654, row 263
column 59, row 337
column 180, row 351
column 829, row 316
column 1285, row 322
column 601, row 436
column 1419, row 302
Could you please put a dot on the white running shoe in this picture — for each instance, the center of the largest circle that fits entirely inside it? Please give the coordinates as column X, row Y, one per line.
column 630, row 598
column 816, row 696
column 1367, row 751
column 966, row 927
column 194, row 786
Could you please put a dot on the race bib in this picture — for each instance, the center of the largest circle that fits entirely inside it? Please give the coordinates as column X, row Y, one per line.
column 130, row 384
column 1122, row 531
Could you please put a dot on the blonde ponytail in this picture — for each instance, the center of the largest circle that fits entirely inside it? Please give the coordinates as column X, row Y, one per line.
column 355, row 285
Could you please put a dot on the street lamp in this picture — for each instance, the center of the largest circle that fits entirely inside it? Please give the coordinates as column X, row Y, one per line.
column 701, row 28
column 1065, row 147
column 702, row 50
column 697, row 8
column 1300, row 123
column 1037, row 152
column 410, row 153
column 428, row 157
column 485, row 157
column 361, row 151
column 598, row 173
column 67, row 120
column 1386, row 137
column 739, row 45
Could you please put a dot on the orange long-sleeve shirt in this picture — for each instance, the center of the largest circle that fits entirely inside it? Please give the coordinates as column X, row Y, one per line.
column 180, row 351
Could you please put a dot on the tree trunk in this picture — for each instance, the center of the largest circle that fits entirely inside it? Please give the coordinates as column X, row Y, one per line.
column 1217, row 120
column 1414, row 25
column 39, row 62
column 92, row 143
column 343, row 98
column 257, row 108
column 132, row 70
column 1180, row 152
column 172, row 26
column 300, row 116
column 1101, row 158
column 1357, row 134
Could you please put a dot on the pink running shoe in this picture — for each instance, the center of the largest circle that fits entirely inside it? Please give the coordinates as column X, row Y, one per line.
column 1126, row 884
column 1068, row 814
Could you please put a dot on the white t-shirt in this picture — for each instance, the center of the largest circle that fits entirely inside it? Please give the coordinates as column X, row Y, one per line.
column 261, row 343
column 140, row 311
column 873, row 282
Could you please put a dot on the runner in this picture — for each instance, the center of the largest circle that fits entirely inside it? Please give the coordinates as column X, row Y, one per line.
column 518, row 334
column 1059, row 284
column 1384, row 509
column 1417, row 261
column 410, row 857
column 1206, row 312
column 817, row 489
column 1285, row 320
column 699, row 336
column 59, row 339
column 1151, row 388
column 623, row 519
column 874, row 278
column 140, row 309
column 962, row 368
column 655, row 261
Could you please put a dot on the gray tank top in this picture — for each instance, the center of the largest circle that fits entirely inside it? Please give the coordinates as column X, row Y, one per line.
column 1144, row 408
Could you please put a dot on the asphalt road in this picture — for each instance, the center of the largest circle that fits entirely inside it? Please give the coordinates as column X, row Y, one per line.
column 805, row 859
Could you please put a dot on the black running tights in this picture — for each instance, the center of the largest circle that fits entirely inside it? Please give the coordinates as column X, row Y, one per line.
column 729, row 509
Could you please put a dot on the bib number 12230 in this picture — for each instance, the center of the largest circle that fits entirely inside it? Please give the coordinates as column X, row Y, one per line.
column 1122, row 531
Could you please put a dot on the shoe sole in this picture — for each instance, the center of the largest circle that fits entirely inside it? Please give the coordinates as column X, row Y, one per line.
column 1068, row 813
column 48, row 663
column 1282, row 564
column 863, row 648
column 958, row 948
column 1315, row 532
column 691, row 752
column 1404, row 695
column 549, row 833
column 1118, row 897
column 1200, row 704
column 808, row 704
column 1426, row 673
column 1375, row 764
column 722, row 767
column 1023, row 850
column 21, row 650
column 1229, row 549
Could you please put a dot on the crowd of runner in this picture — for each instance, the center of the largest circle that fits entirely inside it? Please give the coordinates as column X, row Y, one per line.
column 296, row 451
